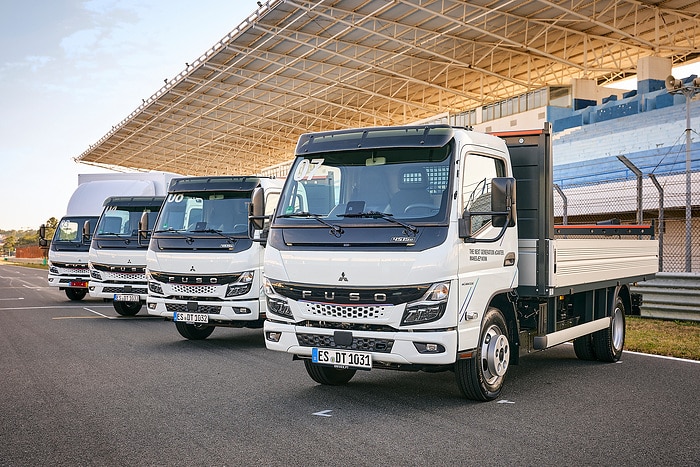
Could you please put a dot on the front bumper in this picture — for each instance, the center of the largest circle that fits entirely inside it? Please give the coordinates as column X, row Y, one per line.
column 68, row 281
column 220, row 312
column 109, row 290
column 389, row 348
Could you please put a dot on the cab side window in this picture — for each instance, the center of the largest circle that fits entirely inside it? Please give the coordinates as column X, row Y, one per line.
column 478, row 172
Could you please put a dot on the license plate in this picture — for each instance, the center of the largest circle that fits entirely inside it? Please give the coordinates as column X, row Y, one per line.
column 342, row 358
column 125, row 297
column 191, row 317
column 78, row 283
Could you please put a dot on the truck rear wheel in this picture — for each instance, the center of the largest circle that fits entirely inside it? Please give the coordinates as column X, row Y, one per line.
column 481, row 377
column 76, row 294
column 194, row 331
column 127, row 308
column 609, row 342
column 328, row 375
column 583, row 346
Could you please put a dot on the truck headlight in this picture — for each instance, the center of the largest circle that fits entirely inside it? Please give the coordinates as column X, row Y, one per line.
column 276, row 304
column 95, row 274
column 155, row 288
column 241, row 286
column 430, row 307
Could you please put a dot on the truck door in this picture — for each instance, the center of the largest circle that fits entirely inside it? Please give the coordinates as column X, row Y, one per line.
column 484, row 268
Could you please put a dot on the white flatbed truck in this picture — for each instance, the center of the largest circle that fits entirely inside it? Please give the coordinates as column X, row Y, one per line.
column 404, row 248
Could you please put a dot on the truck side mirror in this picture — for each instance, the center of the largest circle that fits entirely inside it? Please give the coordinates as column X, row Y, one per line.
column 503, row 200
column 502, row 211
column 256, row 217
column 42, row 236
column 86, row 231
column 143, row 228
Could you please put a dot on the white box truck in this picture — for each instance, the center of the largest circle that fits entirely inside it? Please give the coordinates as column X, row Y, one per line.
column 117, row 256
column 203, row 269
column 69, row 247
column 403, row 248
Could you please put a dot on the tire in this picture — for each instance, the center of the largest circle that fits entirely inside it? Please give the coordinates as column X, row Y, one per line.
column 583, row 346
column 127, row 308
column 76, row 294
column 194, row 331
column 609, row 342
column 481, row 378
column 328, row 375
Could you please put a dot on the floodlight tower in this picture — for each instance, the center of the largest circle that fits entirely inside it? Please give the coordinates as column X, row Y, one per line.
column 676, row 86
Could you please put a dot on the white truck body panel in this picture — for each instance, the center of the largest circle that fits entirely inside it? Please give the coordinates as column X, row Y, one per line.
column 580, row 261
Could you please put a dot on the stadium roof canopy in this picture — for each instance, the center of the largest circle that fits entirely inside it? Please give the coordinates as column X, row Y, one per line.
column 295, row 66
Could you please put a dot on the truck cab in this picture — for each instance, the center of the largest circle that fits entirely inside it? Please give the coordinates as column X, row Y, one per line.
column 204, row 269
column 117, row 256
column 68, row 255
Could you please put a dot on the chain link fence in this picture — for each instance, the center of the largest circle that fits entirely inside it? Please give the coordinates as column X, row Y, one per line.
column 634, row 196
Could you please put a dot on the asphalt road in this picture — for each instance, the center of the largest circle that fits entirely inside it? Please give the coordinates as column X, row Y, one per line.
column 81, row 386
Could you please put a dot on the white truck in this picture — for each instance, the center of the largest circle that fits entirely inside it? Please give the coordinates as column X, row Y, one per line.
column 403, row 248
column 117, row 256
column 203, row 268
column 69, row 247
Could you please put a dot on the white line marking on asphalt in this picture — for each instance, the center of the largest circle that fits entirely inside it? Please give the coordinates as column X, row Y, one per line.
column 18, row 298
column 97, row 313
column 323, row 413
column 505, row 401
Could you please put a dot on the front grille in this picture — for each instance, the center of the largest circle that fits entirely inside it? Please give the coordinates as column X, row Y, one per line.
column 74, row 271
column 183, row 308
column 350, row 295
column 358, row 343
column 329, row 310
column 193, row 289
column 139, row 290
column 124, row 276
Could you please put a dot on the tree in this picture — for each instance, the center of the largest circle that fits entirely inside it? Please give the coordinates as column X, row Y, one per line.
column 10, row 244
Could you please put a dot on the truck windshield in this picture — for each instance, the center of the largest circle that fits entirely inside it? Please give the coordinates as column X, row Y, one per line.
column 409, row 185
column 123, row 221
column 205, row 212
column 70, row 229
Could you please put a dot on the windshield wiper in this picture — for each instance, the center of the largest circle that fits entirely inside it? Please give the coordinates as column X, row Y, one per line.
column 215, row 231
column 170, row 230
column 381, row 215
column 112, row 233
column 336, row 230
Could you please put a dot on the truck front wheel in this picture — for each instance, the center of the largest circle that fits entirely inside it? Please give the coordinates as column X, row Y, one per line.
column 76, row 294
column 328, row 375
column 127, row 308
column 481, row 377
column 608, row 343
column 194, row 331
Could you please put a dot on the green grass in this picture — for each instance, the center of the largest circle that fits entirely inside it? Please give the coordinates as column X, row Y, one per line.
column 663, row 337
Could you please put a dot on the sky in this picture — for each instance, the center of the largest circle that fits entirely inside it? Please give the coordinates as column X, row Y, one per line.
column 71, row 69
